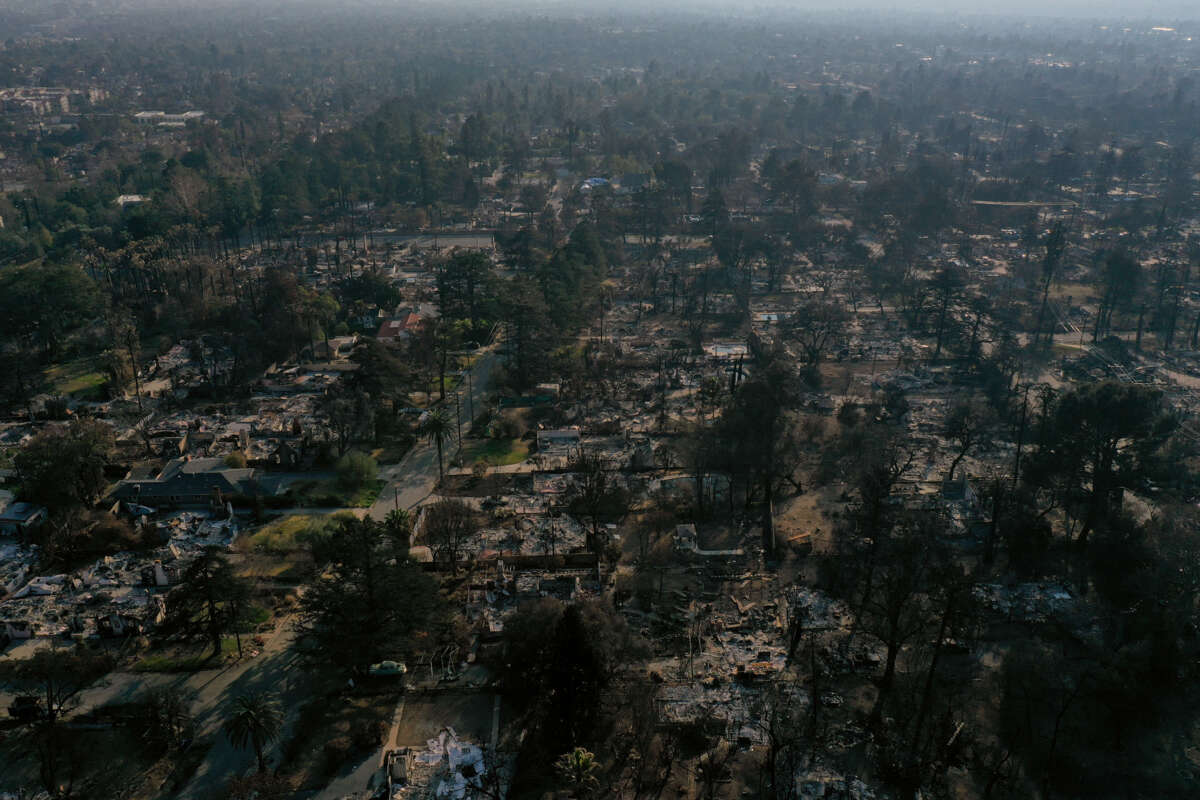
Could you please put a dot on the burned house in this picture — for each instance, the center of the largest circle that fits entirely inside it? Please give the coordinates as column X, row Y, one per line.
column 158, row 575
column 117, row 626
column 559, row 442
column 18, row 629
column 288, row 457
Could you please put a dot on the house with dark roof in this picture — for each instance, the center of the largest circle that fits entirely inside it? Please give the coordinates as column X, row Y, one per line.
column 189, row 482
column 19, row 518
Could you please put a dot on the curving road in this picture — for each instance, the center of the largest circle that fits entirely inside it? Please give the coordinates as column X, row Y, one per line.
column 415, row 477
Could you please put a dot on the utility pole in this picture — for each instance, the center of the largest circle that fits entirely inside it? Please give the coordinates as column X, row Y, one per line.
column 1021, row 436
column 470, row 394
column 458, row 417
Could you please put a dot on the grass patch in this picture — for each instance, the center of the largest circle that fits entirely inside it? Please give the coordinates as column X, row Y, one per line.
column 186, row 661
column 293, row 566
column 79, row 377
column 331, row 494
column 256, row 615
column 496, row 452
column 1078, row 292
column 394, row 449
column 294, row 571
column 366, row 496
column 286, row 534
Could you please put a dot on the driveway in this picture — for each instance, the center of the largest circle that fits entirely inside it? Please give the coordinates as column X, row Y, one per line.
column 362, row 779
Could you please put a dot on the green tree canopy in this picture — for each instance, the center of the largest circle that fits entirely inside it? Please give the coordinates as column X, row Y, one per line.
column 256, row 722
column 208, row 603
column 62, row 467
column 370, row 603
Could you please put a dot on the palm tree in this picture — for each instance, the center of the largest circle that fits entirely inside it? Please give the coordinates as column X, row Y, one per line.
column 398, row 520
column 436, row 428
column 399, row 527
column 256, row 722
column 578, row 770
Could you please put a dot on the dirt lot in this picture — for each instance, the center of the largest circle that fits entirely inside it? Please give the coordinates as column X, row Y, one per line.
column 332, row 732
column 470, row 715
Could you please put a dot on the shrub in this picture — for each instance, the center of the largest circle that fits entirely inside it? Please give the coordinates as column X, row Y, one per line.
column 355, row 470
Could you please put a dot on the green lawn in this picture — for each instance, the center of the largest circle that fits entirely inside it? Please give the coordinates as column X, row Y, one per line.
column 367, row 495
column 175, row 660
column 255, row 615
column 495, row 452
column 331, row 494
column 284, row 534
column 393, row 450
column 287, row 534
column 78, row 377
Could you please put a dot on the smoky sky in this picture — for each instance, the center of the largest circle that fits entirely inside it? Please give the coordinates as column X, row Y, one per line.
column 1158, row 11
column 1107, row 19
column 1154, row 11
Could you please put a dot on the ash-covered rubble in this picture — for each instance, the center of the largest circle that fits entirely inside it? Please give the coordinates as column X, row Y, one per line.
column 451, row 768
column 116, row 595
column 532, row 534
column 1027, row 602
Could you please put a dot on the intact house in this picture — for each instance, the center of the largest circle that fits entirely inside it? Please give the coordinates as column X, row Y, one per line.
column 400, row 329
column 189, row 482
column 407, row 323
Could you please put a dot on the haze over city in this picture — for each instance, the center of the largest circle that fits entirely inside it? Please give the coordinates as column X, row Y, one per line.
column 567, row 401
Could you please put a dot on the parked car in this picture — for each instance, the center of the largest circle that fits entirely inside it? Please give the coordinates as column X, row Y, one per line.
column 26, row 708
column 387, row 669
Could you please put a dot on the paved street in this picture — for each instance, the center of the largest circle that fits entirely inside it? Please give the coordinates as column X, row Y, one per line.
column 274, row 669
column 414, row 478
